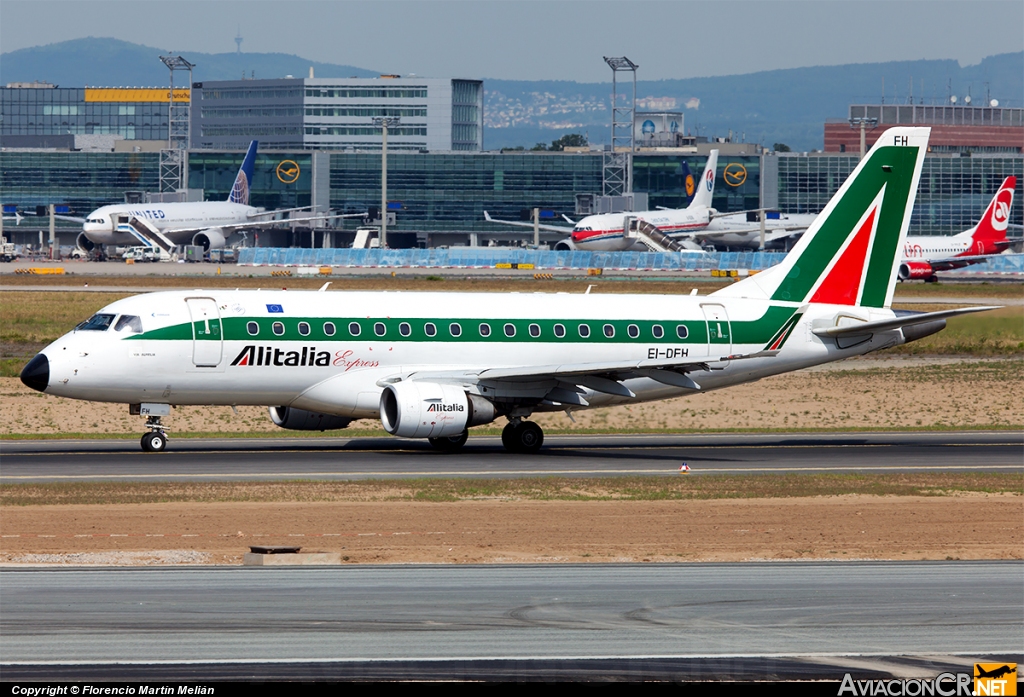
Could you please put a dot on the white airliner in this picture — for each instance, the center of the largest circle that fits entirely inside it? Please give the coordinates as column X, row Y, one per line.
column 164, row 225
column 690, row 228
column 606, row 232
column 923, row 256
column 432, row 365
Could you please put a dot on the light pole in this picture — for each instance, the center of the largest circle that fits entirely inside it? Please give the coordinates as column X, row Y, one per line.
column 384, row 123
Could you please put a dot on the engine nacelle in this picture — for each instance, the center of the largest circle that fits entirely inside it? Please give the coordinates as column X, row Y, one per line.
column 213, row 238
column 83, row 242
column 431, row 410
column 913, row 270
column 565, row 245
column 302, row 420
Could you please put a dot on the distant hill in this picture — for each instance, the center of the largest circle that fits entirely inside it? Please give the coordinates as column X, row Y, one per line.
column 776, row 106
column 787, row 106
column 106, row 62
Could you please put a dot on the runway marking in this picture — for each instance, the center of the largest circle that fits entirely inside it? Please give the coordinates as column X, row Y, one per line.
column 494, row 473
column 553, row 448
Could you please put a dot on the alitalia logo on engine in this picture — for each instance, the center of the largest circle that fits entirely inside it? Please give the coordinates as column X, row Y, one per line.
column 435, row 406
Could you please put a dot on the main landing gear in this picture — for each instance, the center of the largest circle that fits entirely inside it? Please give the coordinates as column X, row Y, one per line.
column 450, row 444
column 522, row 436
column 156, row 440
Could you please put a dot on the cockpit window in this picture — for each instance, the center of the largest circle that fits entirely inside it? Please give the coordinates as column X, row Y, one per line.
column 130, row 323
column 96, row 323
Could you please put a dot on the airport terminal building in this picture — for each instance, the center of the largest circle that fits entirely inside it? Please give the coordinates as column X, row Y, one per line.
column 434, row 114
column 319, row 147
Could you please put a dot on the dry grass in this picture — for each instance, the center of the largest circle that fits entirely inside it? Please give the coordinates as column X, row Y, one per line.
column 682, row 487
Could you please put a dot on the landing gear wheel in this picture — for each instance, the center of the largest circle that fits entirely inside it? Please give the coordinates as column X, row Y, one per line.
column 450, row 444
column 154, row 442
column 522, row 437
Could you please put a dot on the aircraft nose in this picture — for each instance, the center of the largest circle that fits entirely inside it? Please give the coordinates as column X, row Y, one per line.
column 37, row 373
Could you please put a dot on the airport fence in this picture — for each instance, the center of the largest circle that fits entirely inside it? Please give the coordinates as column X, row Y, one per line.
column 490, row 258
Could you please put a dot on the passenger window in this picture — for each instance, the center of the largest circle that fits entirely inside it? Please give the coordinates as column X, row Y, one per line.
column 510, row 330
column 404, row 329
column 455, row 329
column 354, row 329
column 560, row 330
column 658, row 331
column 584, row 330
column 329, row 328
column 534, row 330
column 130, row 322
column 609, row 331
column 278, row 328
column 379, row 329
column 253, row 328
column 633, row 331
column 96, row 323
column 681, row 331
column 304, row 328
column 430, row 329
column 485, row 329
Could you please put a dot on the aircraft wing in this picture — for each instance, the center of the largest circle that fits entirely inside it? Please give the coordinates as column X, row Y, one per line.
column 560, row 383
column 253, row 223
column 956, row 262
column 519, row 223
column 904, row 319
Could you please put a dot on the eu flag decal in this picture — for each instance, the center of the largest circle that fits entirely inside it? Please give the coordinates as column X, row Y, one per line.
column 275, row 308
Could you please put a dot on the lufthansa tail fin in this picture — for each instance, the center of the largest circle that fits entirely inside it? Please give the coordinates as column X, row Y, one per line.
column 996, row 218
column 243, row 180
column 706, row 185
column 850, row 254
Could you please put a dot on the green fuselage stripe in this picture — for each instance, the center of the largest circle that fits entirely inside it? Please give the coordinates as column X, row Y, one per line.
column 237, row 329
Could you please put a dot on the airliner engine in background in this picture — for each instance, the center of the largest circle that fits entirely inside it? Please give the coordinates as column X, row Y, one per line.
column 165, row 225
column 923, row 256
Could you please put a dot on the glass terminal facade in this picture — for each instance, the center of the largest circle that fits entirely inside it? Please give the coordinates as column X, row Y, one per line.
column 439, row 192
column 44, row 110
column 953, row 192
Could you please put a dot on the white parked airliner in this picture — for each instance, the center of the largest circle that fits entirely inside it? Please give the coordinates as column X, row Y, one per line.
column 432, row 365
column 164, row 225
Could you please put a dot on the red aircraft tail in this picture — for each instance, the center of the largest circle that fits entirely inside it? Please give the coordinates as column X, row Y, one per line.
column 992, row 227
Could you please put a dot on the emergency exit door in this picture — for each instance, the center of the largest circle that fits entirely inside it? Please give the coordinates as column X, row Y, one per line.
column 719, row 331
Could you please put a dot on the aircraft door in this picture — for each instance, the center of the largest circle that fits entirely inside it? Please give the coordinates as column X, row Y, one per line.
column 719, row 331
column 207, row 337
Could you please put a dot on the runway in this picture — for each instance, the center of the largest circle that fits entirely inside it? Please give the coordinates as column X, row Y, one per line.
column 574, row 456
column 681, row 620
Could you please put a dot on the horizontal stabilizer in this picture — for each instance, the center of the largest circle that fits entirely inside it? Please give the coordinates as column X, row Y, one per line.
column 898, row 322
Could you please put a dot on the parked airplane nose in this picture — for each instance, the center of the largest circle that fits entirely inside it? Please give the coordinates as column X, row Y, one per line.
column 37, row 373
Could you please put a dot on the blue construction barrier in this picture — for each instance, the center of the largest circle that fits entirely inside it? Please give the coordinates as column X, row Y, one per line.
column 490, row 257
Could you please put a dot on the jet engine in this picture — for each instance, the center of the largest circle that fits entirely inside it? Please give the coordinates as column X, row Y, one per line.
column 430, row 410
column 302, row 420
column 213, row 238
column 565, row 245
column 84, row 242
column 912, row 270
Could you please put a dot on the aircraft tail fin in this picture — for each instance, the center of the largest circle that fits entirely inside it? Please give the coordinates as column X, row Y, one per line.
column 996, row 218
column 850, row 255
column 243, row 180
column 706, row 185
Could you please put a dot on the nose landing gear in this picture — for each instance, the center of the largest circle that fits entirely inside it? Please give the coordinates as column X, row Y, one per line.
column 156, row 440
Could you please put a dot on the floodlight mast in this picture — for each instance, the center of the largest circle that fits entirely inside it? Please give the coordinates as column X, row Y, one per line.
column 864, row 122
column 617, row 177
column 174, row 159
column 384, row 123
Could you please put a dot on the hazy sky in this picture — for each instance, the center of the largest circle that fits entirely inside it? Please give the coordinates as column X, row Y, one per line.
column 541, row 39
